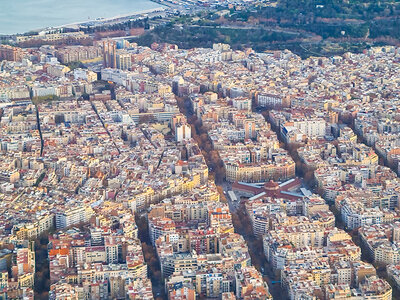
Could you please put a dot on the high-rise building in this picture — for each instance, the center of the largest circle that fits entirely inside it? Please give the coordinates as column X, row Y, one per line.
column 183, row 132
column 124, row 60
column 249, row 129
column 109, row 54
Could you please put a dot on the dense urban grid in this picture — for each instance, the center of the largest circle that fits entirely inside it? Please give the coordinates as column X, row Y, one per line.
column 131, row 172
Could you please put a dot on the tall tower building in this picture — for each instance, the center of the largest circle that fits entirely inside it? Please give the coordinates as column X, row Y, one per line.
column 249, row 129
column 183, row 132
column 109, row 54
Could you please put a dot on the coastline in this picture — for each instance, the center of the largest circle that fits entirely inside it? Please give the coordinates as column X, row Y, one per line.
column 100, row 21
column 134, row 15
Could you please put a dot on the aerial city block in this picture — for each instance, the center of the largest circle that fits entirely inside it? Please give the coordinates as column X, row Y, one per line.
column 201, row 149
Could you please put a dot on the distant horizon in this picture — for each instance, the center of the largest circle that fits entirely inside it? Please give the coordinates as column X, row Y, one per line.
column 41, row 14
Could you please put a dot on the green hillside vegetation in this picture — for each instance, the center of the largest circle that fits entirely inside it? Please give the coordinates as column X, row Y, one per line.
column 306, row 27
